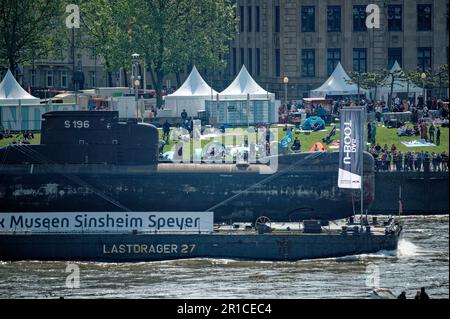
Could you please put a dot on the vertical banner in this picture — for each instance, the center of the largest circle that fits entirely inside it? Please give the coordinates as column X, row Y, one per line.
column 351, row 148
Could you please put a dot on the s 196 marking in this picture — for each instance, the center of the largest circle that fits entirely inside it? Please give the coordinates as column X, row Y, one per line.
column 77, row 124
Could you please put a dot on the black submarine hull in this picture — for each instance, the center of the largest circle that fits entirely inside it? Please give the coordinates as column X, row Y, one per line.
column 303, row 187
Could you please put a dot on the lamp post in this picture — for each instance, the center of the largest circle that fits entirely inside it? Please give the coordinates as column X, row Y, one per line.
column 424, row 92
column 135, row 80
column 286, row 82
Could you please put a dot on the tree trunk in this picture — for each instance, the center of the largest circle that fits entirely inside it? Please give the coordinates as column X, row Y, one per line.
column 125, row 77
column 178, row 75
column 12, row 65
column 157, row 84
column 110, row 82
column 391, row 94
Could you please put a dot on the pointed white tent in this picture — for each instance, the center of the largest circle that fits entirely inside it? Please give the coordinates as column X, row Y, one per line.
column 399, row 86
column 11, row 92
column 191, row 96
column 243, row 85
column 337, row 85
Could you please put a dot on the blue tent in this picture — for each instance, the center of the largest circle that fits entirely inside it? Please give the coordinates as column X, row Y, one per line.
column 314, row 123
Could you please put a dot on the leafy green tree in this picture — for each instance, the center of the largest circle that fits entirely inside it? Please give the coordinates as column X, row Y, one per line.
column 392, row 77
column 28, row 30
column 175, row 33
column 108, row 26
column 441, row 79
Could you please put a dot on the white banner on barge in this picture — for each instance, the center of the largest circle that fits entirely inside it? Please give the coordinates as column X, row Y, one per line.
column 173, row 222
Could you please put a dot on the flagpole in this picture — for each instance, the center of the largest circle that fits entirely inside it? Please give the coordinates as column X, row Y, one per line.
column 362, row 160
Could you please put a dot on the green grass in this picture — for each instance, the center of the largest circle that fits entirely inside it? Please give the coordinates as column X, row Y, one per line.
column 384, row 136
column 18, row 138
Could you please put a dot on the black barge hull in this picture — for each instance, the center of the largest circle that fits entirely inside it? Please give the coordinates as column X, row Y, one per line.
column 145, row 247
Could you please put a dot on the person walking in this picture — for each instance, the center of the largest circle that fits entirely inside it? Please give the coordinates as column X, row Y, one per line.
column 438, row 136
column 431, row 133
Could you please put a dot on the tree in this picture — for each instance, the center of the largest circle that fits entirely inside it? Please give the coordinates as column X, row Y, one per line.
column 392, row 77
column 373, row 80
column 356, row 78
column 367, row 80
column 441, row 78
column 175, row 33
column 108, row 25
column 27, row 30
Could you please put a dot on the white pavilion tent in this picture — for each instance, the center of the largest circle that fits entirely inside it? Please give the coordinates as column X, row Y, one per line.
column 337, row 85
column 243, row 86
column 11, row 93
column 244, row 102
column 399, row 86
column 191, row 96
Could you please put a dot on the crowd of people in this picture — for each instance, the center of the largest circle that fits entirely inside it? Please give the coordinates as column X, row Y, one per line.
column 22, row 138
column 420, row 295
column 391, row 159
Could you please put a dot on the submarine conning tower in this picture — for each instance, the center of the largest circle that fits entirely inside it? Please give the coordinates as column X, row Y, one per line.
column 90, row 137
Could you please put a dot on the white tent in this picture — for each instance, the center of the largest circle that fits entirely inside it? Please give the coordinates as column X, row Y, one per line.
column 243, row 85
column 191, row 96
column 11, row 92
column 399, row 86
column 337, row 84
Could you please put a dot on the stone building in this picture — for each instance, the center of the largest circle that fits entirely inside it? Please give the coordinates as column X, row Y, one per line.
column 305, row 39
column 302, row 40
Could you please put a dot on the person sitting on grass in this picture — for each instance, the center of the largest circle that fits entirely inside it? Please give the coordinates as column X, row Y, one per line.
column 296, row 147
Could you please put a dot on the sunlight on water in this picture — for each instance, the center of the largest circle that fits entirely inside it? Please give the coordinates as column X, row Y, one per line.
column 407, row 249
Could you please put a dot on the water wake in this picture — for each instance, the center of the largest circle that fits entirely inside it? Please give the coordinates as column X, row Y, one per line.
column 407, row 249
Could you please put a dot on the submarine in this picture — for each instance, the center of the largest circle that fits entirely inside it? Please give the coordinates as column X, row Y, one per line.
column 91, row 161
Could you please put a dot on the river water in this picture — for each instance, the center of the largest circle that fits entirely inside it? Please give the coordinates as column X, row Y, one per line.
column 421, row 260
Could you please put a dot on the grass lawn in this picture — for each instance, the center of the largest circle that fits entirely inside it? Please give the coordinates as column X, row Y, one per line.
column 384, row 136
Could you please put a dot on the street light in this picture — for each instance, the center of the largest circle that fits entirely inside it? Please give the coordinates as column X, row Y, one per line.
column 135, row 79
column 424, row 93
column 286, row 82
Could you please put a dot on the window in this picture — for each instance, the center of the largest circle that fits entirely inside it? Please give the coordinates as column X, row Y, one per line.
column 250, row 19
column 277, row 63
column 424, row 12
column 423, row 59
column 258, row 19
column 49, row 78
column 359, row 18
column 395, row 15
column 395, row 54
column 242, row 56
column 334, row 19
column 277, row 19
column 360, row 60
column 92, row 76
column 308, row 19
column 234, row 57
column 250, row 61
column 258, row 62
column 308, row 63
column 241, row 19
column 334, row 57
column 33, row 77
column 64, row 79
column 93, row 53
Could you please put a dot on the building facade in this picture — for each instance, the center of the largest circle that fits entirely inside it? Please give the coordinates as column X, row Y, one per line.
column 304, row 40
